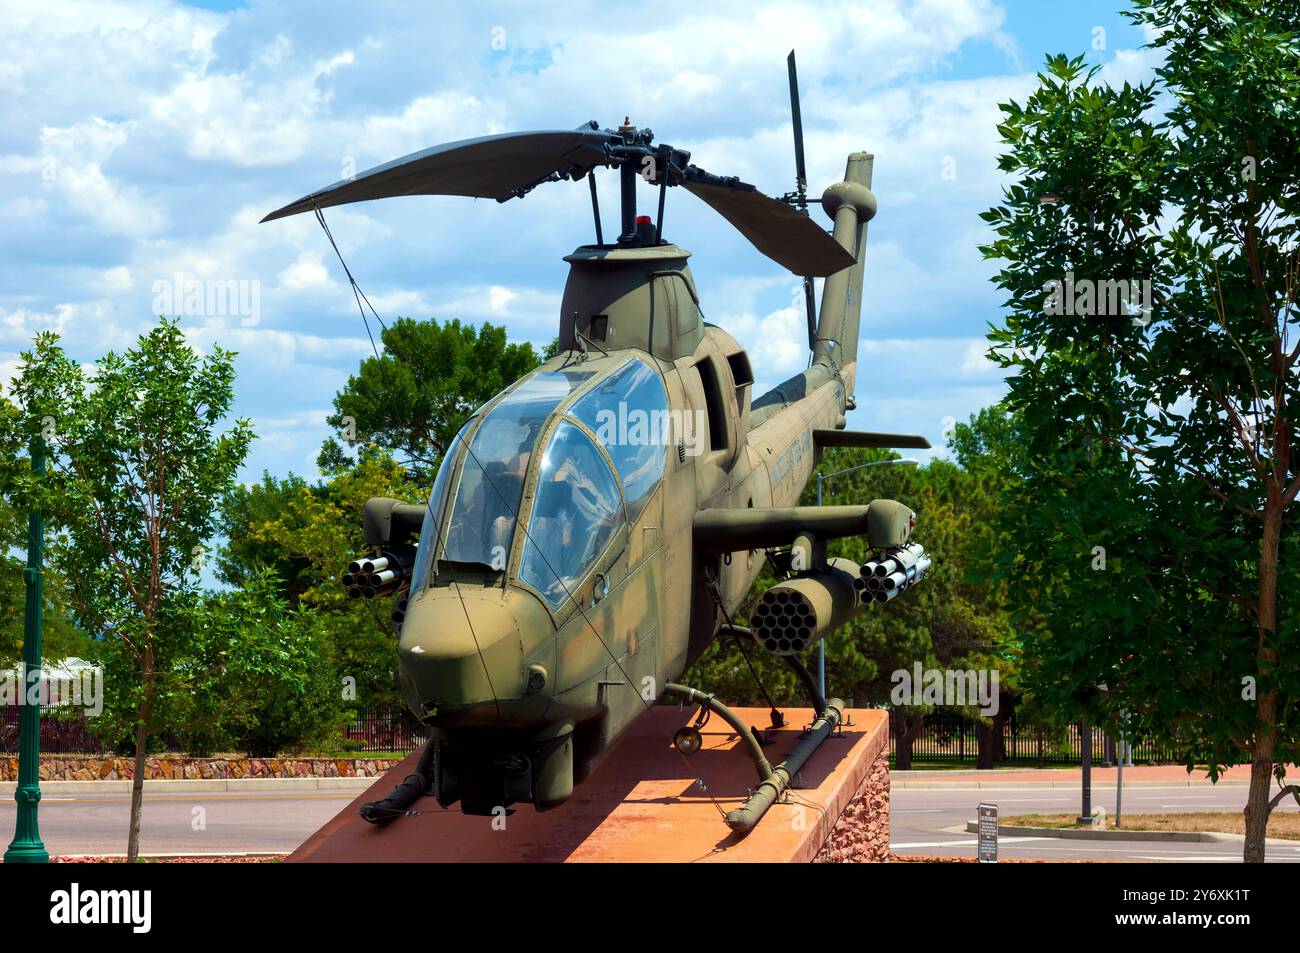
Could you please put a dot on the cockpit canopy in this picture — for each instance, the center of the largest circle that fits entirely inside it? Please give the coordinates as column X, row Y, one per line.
column 570, row 455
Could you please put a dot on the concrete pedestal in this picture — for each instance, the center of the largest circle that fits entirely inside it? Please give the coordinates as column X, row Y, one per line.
column 644, row 804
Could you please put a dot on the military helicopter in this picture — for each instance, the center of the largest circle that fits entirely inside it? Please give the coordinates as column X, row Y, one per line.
column 593, row 527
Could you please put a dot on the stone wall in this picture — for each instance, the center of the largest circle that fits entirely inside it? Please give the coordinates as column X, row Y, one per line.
column 74, row 768
column 861, row 835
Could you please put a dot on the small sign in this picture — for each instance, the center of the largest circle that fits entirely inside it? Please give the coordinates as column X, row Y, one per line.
column 987, row 828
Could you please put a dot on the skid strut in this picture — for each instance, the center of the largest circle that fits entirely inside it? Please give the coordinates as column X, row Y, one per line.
column 769, row 791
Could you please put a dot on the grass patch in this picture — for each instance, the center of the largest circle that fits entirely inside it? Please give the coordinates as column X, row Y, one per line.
column 351, row 755
column 1283, row 825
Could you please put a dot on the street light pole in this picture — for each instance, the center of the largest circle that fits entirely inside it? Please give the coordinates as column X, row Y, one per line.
column 821, row 643
column 1085, row 744
column 1119, row 774
column 26, row 847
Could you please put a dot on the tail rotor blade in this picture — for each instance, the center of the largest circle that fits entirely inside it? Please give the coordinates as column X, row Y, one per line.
column 800, row 170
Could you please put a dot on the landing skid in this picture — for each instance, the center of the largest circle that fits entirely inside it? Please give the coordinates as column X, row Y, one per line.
column 773, row 782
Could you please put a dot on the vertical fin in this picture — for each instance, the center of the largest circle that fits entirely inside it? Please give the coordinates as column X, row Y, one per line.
column 851, row 205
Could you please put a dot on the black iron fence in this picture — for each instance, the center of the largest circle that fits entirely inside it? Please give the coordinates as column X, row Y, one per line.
column 944, row 737
column 384, row 729
column 950, row 737
column 64, row 730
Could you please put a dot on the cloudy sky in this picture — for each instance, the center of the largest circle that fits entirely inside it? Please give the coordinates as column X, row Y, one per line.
column 141, row 142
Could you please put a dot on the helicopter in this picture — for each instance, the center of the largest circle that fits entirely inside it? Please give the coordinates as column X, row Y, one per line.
column 595, row 526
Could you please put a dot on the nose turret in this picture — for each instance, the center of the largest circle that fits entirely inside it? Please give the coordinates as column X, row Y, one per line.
column 474, row 655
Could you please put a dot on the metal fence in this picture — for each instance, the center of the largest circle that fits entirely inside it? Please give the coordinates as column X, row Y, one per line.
column 950, row 737
column 384, row 729
column 944, row 737
column 63, row 731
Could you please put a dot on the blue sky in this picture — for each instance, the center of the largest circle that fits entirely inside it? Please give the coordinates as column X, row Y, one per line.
column 142, row 141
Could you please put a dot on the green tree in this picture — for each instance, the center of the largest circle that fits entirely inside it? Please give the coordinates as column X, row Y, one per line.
column 1157, row 509
column 949, row 621
column 407, row 404
column 137, row 467
column 261, row 678
column 411, row 399
column 306, row 535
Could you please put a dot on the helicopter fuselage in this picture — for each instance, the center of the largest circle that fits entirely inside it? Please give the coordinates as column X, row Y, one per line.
column 520, row 662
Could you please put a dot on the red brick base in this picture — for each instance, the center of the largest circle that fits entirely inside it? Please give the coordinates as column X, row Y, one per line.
column 861, row 835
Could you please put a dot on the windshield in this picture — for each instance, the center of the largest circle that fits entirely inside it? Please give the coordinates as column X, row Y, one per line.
column 575, row 514
column 628, row 413
column 483, row 517
column 428, row 543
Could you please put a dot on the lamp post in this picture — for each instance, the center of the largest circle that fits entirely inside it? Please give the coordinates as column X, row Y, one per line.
column 1085, row 762
column 1085, row 725
column 822, row 478
column 26, row 847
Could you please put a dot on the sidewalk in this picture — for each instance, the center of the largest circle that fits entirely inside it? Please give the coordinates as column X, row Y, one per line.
column 207, row 786
column 1164, row 775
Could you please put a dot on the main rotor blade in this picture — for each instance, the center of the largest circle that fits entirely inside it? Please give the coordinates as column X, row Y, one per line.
column 785, row 235
column 490, row 167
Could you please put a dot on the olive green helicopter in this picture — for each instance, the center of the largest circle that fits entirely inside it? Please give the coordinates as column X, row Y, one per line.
column 593, row 527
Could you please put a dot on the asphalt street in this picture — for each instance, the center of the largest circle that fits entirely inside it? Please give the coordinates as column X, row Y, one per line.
column 923, row 820
column 932, row 822
column 212, row 823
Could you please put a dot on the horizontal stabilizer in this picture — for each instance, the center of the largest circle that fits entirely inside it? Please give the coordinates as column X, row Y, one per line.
column 863, row 438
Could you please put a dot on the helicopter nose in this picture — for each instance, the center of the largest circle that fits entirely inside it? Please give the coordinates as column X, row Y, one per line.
column 461, row 653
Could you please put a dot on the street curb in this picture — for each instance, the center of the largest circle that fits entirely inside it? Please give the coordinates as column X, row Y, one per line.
column 1047, row 785
column 200, row 786
column 171, row 856
column 1086, row 833
column 922, row 773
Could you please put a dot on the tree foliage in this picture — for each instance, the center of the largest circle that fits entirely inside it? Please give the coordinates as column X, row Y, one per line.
column 412, row 398
column 262, row 677
column 1156, row 497
column 948, row 621
column 136, row 467
column 306, row 534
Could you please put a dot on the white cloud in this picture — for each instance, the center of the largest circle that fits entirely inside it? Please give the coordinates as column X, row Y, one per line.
column 68, row 168
column 145, row 139
column 247, row 118
column 117, row 280
column 307, row 271
column 18, row 327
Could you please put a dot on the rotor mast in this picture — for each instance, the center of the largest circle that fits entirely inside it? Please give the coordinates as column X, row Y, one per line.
column 627, row 173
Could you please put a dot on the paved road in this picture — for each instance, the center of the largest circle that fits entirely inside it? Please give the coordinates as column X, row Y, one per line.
column 181, row 823
column 932, row 821
column 922, row 821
